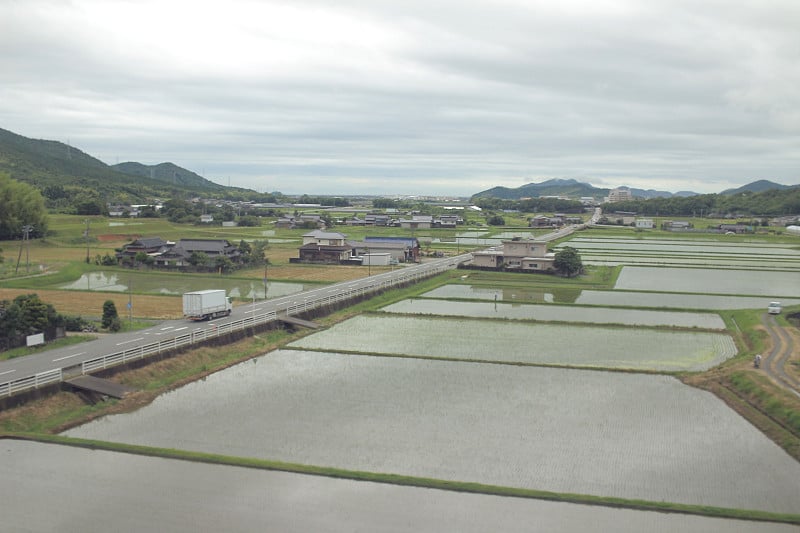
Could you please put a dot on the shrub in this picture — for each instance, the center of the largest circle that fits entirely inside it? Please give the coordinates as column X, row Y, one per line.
column 109, row 313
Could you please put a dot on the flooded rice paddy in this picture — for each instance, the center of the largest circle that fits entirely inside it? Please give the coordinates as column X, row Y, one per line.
column 529, row 343
column 613, row 434
column 204, row 497
column 108, row 281
column 395, row 405
column 696, row 247
column 753, row 255
column 710, row 281
column 605, row 298
column 558, row 313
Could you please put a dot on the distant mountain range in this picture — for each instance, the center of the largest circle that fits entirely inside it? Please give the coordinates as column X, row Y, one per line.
column 42, row 163
column 571, row 188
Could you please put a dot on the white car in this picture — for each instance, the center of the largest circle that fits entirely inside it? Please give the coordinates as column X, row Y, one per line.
column 774, row 308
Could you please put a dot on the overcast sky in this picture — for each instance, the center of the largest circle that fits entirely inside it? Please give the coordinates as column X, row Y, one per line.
column 410, row 97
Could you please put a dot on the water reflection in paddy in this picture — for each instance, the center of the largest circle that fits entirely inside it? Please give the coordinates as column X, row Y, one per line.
column 606, row 298
column 611, row 434
column 172, row 496
column 110, row 281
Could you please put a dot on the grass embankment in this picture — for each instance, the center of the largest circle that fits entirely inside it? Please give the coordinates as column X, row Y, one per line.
column 770, row 408
column 414, row 481
column 774, row 411
column 64, row 409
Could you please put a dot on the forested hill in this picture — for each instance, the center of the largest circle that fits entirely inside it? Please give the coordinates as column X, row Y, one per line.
column 169, row 173
column 44, row 164
column 771, row 202
column 568, row 188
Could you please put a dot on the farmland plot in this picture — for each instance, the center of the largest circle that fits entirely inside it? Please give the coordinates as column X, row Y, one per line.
column 694, row 247
column 233, row 499
column 587, row 432
column 679, row 301
column 658, row 300
column 707, row 281
column 634, row 259
column 546, row 344
column 155, row 283
column 700, row 252
column 558, row 313
column 489, row 293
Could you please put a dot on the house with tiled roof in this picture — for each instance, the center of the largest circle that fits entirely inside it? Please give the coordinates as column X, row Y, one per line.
column 179, row 254
column 150, row 245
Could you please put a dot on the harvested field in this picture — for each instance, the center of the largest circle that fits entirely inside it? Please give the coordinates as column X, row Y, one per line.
column 90, row 304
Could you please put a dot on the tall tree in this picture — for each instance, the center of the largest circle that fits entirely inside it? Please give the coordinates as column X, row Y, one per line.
column 568, row 262
column 20, row 205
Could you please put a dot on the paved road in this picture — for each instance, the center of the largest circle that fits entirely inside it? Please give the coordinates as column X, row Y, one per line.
column 72, row 356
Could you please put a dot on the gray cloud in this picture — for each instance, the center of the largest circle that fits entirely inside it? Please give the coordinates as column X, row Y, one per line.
column 418, row 98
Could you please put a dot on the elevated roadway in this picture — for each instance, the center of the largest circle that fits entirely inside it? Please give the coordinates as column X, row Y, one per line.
column 56, row 365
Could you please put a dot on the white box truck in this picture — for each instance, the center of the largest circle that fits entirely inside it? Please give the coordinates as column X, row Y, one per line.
column 204, row 305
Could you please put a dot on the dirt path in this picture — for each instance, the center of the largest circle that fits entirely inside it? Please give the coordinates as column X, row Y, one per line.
column 784, row 347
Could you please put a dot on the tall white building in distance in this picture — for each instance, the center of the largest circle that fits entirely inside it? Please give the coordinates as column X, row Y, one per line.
column 619, row 195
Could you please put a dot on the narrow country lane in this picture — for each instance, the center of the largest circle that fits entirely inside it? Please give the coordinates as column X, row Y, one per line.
column 783, row 347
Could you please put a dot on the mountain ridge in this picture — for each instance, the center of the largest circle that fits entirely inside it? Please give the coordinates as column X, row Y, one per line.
column 574, row 189
column 44, row 163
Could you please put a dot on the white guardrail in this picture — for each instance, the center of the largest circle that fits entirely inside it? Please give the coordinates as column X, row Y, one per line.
column 310, row 300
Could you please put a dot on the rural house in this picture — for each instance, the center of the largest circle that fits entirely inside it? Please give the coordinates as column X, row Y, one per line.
column 400, row 249
column 417, row 222
column 324, row 247
column 171, row 254
column 517, row 254
column 148, row 245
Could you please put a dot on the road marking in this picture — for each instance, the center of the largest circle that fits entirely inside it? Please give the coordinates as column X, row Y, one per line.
column 68, row 356
column 132, row 340
column 168, row 327
column 184, row 327
column 7, row 372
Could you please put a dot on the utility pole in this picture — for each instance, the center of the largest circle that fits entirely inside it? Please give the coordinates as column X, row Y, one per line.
column 26, row 230
column 130, row 302
column 87, row 241
column 265, row 280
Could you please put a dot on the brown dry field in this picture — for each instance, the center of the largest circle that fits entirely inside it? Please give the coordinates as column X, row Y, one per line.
column 90, row 304
column 50, row 258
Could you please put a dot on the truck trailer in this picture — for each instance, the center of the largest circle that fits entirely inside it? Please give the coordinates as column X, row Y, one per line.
column 205, row 305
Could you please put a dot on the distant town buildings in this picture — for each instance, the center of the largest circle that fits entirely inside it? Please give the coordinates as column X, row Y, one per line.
column 619, row 195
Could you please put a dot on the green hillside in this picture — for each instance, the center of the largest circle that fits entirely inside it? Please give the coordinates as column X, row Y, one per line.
column 44, row 163
column 556, row 187
column 169, row 173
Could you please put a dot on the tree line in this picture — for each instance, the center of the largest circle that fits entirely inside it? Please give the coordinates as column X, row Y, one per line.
column 774, row 202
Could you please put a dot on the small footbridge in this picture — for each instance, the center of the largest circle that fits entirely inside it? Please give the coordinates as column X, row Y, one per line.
column 295, row 321
column 93, row 386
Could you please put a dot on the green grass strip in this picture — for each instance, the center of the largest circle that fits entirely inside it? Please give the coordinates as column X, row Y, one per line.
column 414, row 481
column 477, row 360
